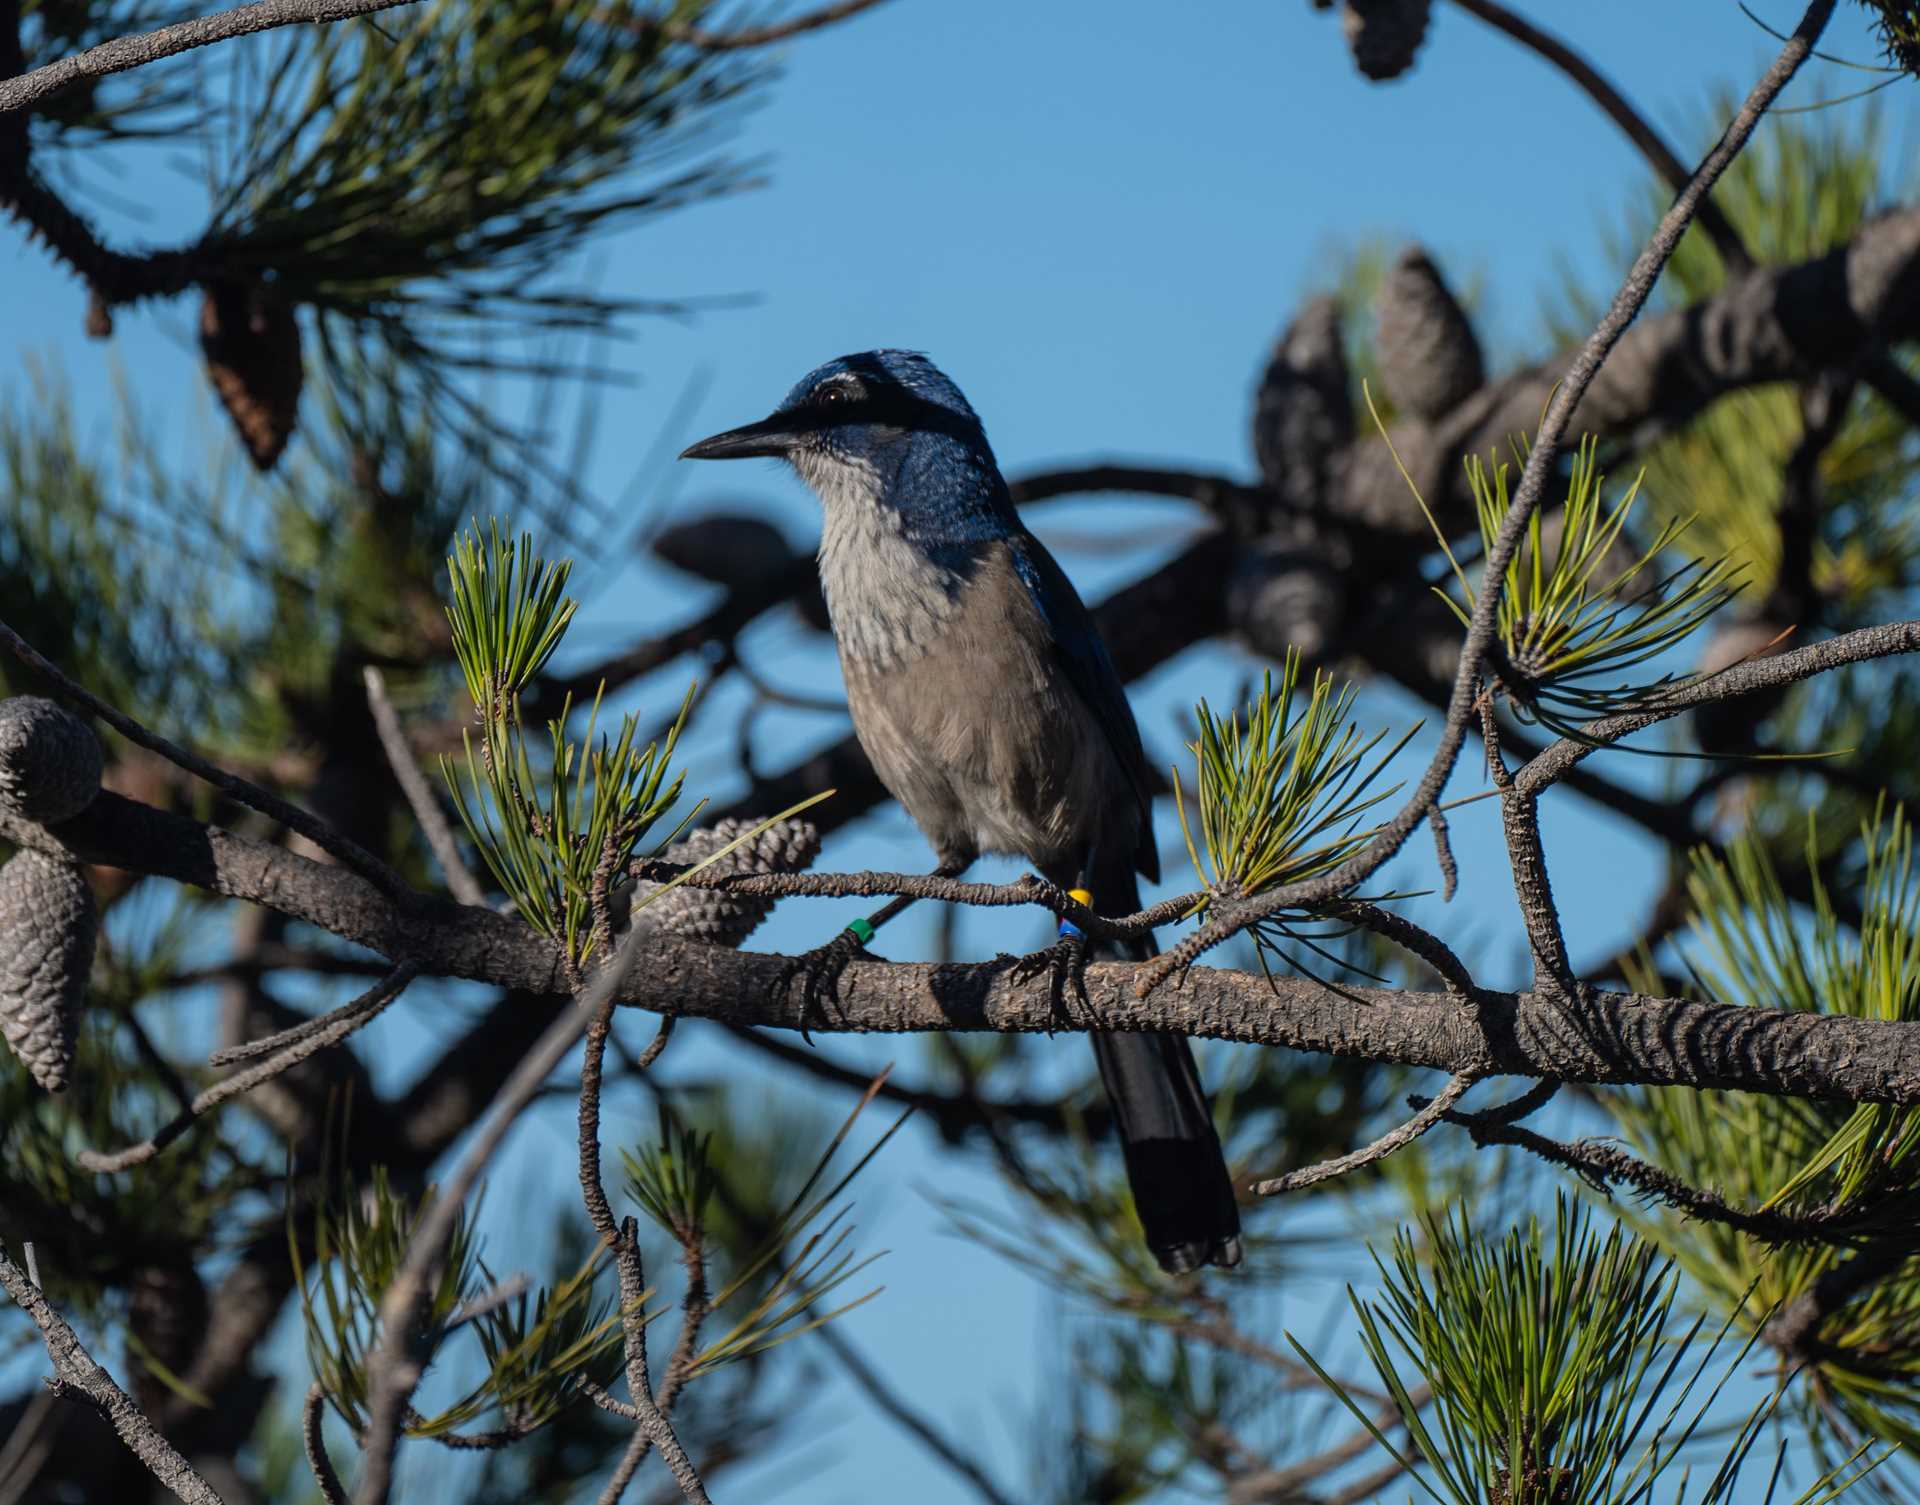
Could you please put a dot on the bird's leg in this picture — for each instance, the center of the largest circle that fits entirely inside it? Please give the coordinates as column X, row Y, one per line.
column 819, row 969
column 1065, row 962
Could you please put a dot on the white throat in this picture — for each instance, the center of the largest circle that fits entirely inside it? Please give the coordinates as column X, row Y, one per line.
column 887, row 600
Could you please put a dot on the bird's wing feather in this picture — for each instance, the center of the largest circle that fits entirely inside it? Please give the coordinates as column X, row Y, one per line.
column 1083, row 655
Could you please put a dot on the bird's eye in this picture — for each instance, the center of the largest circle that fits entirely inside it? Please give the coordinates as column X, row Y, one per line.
column 829, row 396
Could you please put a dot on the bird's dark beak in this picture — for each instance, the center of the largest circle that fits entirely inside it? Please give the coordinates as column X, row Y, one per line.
column 775, row 436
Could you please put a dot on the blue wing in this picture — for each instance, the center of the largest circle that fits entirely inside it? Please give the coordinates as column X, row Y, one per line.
column 1083, row 656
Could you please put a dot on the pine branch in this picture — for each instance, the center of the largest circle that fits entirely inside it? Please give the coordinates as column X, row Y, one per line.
column 124, row 53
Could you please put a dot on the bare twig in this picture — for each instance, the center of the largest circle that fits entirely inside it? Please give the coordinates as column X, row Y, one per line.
column 145, row 47
column 76, row 1374
column 1541, row 462
column 292, row 1047
column 413, row 784
column 249, row 794
column 1424, row 1119
column 312, row 1414
column 360, row 1010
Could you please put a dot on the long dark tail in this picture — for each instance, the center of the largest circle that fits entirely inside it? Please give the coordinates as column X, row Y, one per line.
column 1179, row 1175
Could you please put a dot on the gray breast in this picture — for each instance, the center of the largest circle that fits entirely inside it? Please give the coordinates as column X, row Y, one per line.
column 981, row 736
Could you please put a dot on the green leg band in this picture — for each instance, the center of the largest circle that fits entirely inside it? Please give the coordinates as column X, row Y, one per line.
column 860, row 930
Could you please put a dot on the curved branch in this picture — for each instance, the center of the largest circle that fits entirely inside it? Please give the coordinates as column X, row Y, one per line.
column 1425, row 1117
column 123, row 53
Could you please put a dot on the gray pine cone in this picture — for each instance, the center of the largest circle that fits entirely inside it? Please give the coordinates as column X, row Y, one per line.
column 1303, row 414
column 743, row 553
column 728, row 919
column 1429, row 356
column 49, row 760
column 48, row 919
column 1384, row 35
column 1283, row 596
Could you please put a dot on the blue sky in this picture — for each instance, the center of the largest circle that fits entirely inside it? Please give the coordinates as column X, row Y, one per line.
column 1095, row 217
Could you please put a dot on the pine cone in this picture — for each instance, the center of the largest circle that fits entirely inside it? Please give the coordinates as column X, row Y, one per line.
column 48, row 920
column 728, row 919
column 50, row 760
column 251, row 341
column 1429, row 357
column 1283, row 596
column 1384, row 35
column 1303, row 414
column 742, row 553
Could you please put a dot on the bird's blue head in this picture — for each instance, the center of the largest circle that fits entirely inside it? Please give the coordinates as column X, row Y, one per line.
column 885, row 428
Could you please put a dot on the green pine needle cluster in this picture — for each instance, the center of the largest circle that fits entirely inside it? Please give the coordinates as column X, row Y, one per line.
column 800, row 1257
column 1279, row 798
column 556, row 834
column 535, row 1348
column 1578, row 603
column 1856, row 1166
column 423, row 180
column 1559, row 1374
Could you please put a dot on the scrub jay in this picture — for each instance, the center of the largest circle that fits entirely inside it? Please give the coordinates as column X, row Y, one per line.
column 982, row 692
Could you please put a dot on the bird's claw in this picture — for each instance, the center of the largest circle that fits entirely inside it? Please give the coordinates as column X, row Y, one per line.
column 819, row 972
column 1065, row 963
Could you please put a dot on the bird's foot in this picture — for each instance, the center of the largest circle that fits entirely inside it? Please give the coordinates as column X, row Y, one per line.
column 1065, row 963
column 818, row 972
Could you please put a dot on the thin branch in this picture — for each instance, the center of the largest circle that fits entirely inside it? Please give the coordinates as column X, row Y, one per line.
column 302, row 1041
column 413, row 784
column 747, row 36
column 76, row 1374
column 1603, row 1166
column 360, row 1010
column 396, row 1363
column 1867, row 643
column 1397, row 928
column 1211, row 491
column 145, row 47
column 1541, row 462
column 1385, row 1145
column 249, row 794
column 909, row 1420
column 1726, row 239
column 312, row 1414
column 1282, row 1486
